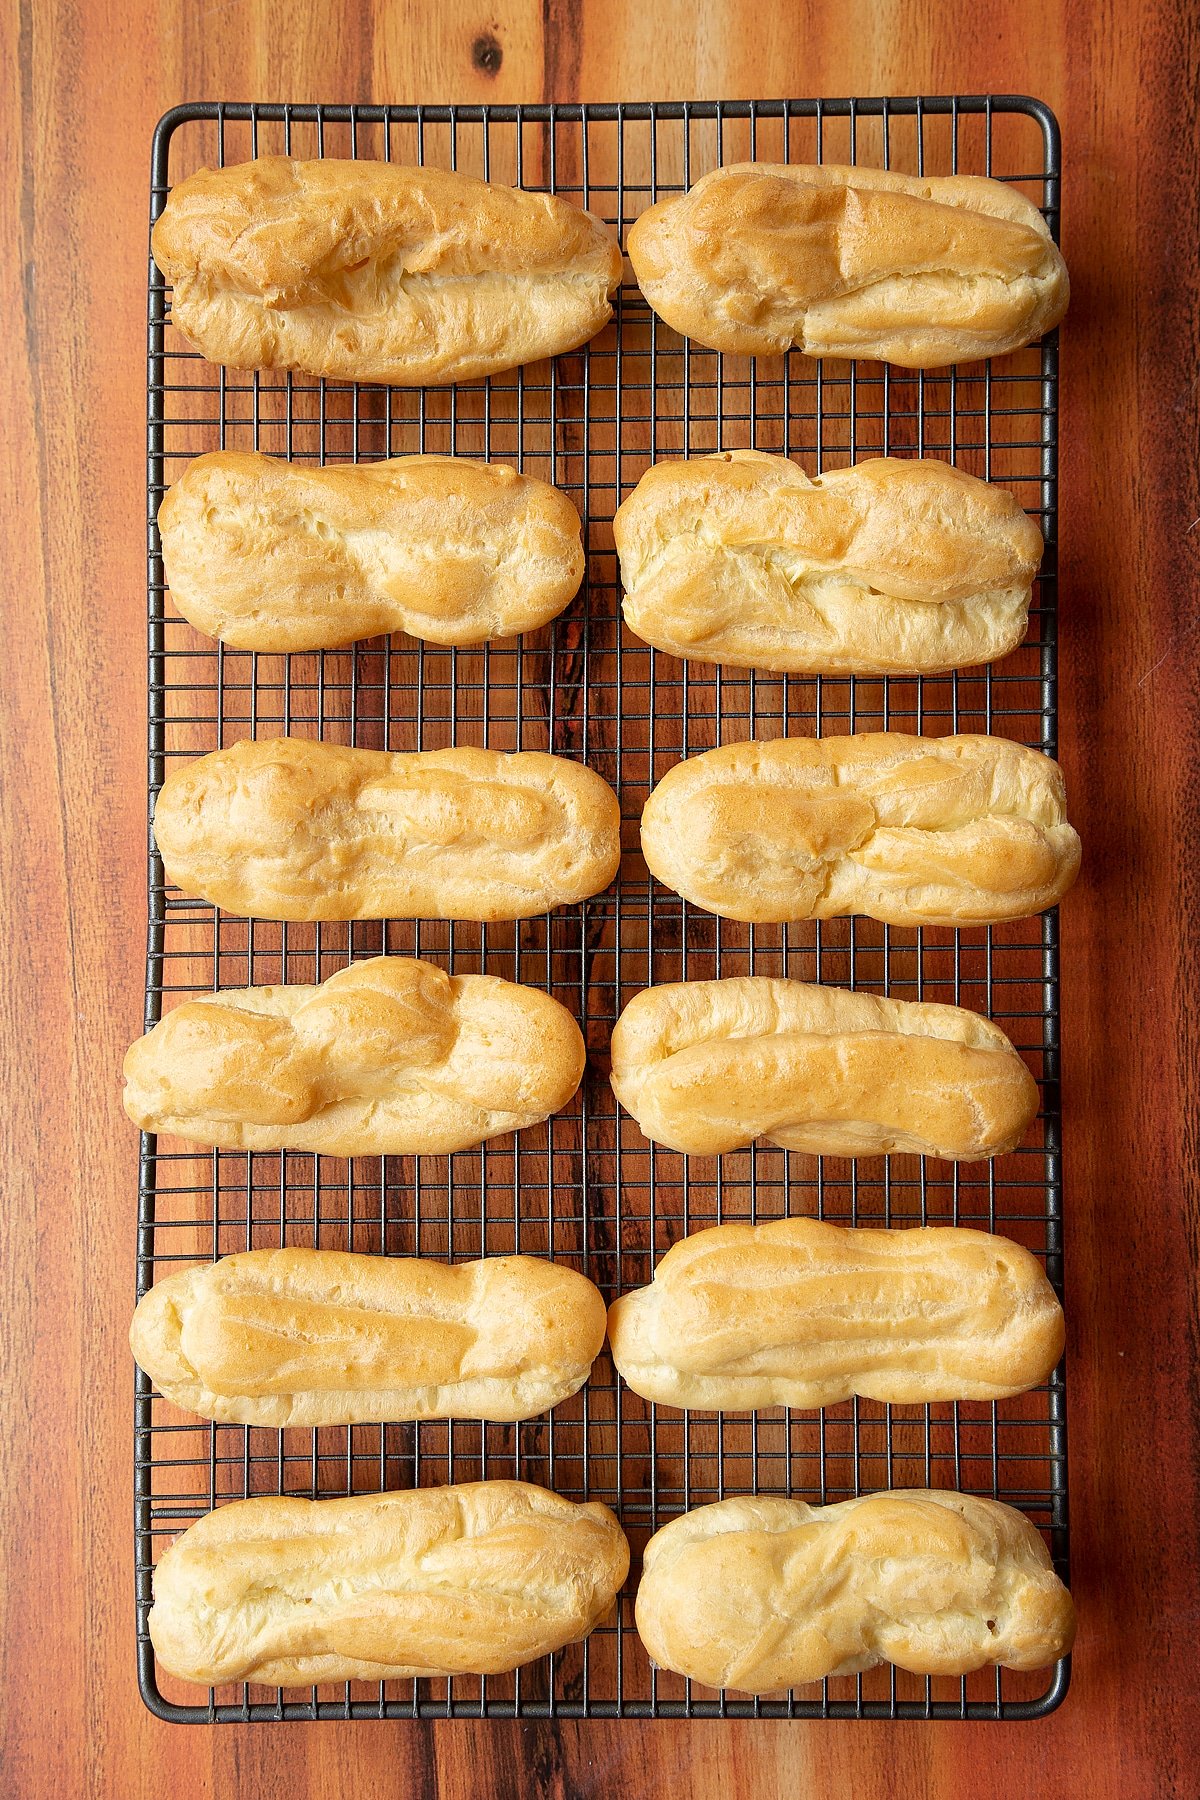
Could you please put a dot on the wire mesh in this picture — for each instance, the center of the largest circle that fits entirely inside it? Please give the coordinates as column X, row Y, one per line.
column 586, row 1187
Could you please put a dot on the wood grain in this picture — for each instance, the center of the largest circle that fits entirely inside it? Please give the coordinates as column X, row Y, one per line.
column 83, row 82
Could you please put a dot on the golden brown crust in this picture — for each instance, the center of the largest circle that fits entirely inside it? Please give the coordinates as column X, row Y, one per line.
column 286, row 828
column 281, row 556
column 473, row 1579
column 803, row 1313
column 708, row 1066
column 954, row 831
column 764, row 1594
column 916, row 270
column 389, row 1057
column 322, row 1337
column 895, row 566
column 365, row 271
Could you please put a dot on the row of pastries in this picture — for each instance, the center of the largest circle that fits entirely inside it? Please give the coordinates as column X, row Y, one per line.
column 757, row 1593
column 962, row 830
column 393, row 1057
column 369, row 272
column 895, row 566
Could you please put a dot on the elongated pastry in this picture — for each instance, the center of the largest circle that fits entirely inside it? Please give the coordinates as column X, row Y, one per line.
column 964, row 830
column 320, row 1337
column 919, row 270
column 285, row 828
column 271, row 555
column 365, row 271
column 895, row 566
column 801, row 1313
column 473, row 1579
column 708, row 1066
column 763, row 1594
column 389, row 1057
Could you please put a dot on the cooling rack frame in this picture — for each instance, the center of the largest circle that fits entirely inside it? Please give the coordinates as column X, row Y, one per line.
column 586, row 1186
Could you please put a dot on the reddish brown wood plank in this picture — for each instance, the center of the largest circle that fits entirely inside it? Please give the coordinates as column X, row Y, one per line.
column 83, row 84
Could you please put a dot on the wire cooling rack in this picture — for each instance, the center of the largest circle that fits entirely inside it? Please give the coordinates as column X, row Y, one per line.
column 586, row 1187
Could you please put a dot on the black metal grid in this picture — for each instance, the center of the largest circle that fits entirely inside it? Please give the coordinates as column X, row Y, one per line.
column 586, row 1187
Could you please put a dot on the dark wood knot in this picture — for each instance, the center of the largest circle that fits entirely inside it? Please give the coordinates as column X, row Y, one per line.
column 486, row 54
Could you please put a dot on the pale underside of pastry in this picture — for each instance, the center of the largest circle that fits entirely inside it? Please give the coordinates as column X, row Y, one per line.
column 367, row 271
column 389, row 1057
column 288, row 828
column 764, row 1594
column 894, row 566
column 473, row 1579
column 299, row 1337
column 807, row 1314
column 962, row 830
column 922, row 271
column 282, row 556
column 709, row 1066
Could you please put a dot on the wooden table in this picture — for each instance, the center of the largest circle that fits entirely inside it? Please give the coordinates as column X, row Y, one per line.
column 83, row 86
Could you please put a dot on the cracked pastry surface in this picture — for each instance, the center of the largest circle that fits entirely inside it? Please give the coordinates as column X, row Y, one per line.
column 288, row 828
column 763, row 1594
column 299, row 1337
column 472, row 1579
column 893, row 566
column 389, row 1057
column 367, row 271
column 913, row 831
column 708, row 1066
column 803, row 1313
column 273, row 555
column 922, row 271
